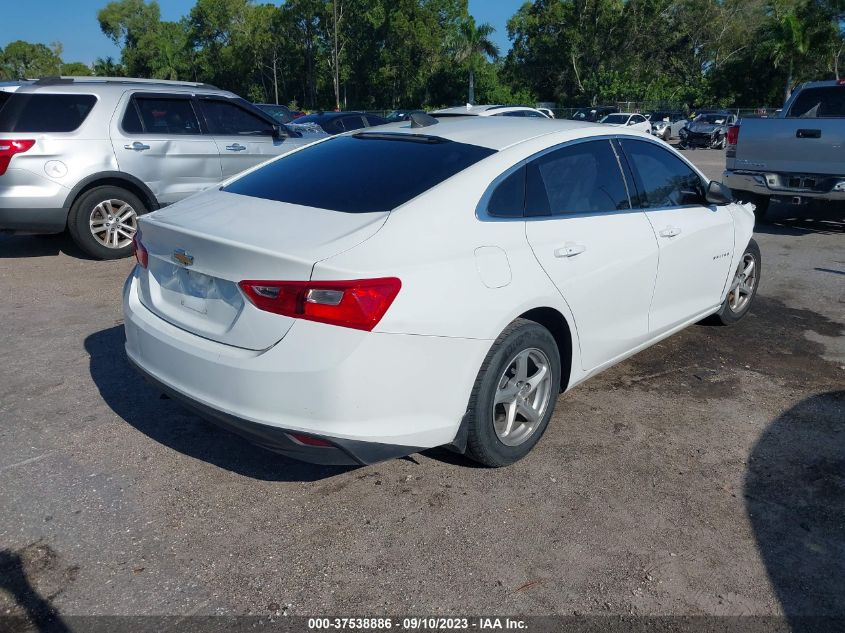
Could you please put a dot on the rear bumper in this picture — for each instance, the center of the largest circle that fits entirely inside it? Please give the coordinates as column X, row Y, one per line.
column 375, row 396
column 777, row 185
column 33, row 220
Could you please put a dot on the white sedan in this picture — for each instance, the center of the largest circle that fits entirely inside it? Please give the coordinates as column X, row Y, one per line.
column 630, row 120
column 491, row 110
column 337, row 316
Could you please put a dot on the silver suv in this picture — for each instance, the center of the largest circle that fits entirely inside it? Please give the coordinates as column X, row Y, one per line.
column 92, row 154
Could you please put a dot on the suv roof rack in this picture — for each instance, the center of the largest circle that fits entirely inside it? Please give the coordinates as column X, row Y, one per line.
column 65, row 80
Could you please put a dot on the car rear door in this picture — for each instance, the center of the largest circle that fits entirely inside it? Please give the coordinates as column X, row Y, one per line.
column 158, row 139
column 696, row 240
column 243, row 137
column 600, row 253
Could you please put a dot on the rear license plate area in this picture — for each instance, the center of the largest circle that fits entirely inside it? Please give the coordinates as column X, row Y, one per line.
column 195, row 288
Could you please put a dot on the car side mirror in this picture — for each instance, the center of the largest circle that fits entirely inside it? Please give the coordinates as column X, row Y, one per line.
column 717, row 193
column 631, row 122
column 279, row 132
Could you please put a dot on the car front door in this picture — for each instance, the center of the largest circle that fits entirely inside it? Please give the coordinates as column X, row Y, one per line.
column 696, row 239
column 243, row 138
column 601, row 254
column 158, row 139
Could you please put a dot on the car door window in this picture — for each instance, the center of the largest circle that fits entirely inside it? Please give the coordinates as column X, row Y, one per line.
column 229, row 119
column 580, row 178
column 166, row 116
column 663, row 179
column 637, row 118
column 349, row 123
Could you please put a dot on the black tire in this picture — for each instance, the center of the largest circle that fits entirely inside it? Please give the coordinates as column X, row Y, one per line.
column 727, row 315
column 80, row 216
column 483, row 443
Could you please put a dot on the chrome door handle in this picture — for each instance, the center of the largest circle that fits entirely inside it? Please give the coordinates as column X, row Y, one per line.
column 670, row 231
column 138, row 147
column 235, row 147
column 570, row 249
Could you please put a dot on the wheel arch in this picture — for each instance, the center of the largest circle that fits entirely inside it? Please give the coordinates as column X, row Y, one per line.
column 115, row 179
column 554, row 321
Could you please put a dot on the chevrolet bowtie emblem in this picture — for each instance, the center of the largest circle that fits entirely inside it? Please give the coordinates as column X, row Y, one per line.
column 183, row 257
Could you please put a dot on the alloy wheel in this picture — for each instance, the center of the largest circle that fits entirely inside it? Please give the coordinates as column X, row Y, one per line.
column 113, row 223
column 523, row 393
column 742, row 287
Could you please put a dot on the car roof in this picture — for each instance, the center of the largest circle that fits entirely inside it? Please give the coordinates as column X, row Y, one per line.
column 103, row 85
column 480, row 110
column 492, row 132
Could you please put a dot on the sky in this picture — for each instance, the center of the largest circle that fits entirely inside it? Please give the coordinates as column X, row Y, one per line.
column 74, row 23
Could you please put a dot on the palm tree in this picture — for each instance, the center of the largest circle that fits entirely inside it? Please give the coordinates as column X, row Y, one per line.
column 789, row 40
column 106, row 67
column 472, row 45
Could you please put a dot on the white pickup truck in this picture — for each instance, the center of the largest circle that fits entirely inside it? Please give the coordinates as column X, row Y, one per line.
column 797, row 157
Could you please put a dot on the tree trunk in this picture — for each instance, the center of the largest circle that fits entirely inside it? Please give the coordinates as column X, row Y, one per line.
column 471, row 87
column 336, row 77
column 275, row 79
column 788, row 90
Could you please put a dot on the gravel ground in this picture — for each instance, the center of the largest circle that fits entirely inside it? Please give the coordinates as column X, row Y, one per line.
column 703, row 476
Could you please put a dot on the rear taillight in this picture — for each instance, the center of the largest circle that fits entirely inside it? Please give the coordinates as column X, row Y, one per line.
column 733, row 134
column 10, row 148
column 358, row 304
column 140, row 251
column 308, row 440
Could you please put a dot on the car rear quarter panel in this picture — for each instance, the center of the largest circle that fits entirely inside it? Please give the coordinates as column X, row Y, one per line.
column 440, row 250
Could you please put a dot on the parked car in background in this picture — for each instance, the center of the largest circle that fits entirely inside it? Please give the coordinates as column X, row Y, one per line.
column 628, row 119
column 93, row 154
column 666, row 125
column 707, row 130
column 501, row 263
column 490, row 110
column 547, row 111
column 796, row 156
column 339, row 122
column 401, row 115
column 593, row 114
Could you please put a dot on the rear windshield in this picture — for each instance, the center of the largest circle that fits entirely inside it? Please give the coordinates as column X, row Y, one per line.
column 45, row 112
column 813, row 103
column 360, row 173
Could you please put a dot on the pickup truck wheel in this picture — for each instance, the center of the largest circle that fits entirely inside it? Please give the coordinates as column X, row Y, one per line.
column 743, row 287
column 104, row 220
column 514, row 394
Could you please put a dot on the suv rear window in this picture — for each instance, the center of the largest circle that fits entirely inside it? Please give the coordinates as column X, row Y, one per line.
column 39, row 112
column 813, row 103
column 368, row 171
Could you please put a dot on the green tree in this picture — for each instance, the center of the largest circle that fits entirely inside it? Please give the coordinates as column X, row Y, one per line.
column 76, row 69
column 107, row 67
column 21, row 60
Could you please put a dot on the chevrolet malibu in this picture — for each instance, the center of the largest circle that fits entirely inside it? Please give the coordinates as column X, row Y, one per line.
column 430, row 283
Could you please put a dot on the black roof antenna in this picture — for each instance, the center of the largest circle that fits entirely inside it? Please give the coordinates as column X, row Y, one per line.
column 421, row 119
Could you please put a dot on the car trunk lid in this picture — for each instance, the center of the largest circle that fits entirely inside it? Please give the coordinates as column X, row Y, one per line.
column 201, row 248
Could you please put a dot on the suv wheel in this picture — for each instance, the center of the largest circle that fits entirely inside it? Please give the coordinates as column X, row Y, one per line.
column 104, row 220
column 514, row 395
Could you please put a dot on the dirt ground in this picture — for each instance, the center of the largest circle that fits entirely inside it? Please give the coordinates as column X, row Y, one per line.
column 704, row 476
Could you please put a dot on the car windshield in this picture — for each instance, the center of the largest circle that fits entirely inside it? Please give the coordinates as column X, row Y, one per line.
column 396, row 115
column 712, row 119
column 346, row 173
column 620, row 119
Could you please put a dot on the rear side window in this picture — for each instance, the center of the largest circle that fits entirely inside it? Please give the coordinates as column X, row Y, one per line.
column 360, row 173
column 508, row 199
column 4, row 97
column 230, row 119
column 349, row 123
column 167, row 116
column 375, row 120
column 580, row 178
column 812, row 103
column 40, row 112
column 664, row 180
